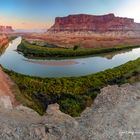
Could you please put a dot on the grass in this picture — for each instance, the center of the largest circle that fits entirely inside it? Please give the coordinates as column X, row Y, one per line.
column 35, row 51
column 73, row 94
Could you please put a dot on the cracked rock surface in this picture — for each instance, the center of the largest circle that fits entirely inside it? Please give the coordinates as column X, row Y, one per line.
column 114, row 115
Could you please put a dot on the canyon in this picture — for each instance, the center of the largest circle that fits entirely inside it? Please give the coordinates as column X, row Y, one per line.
column 114, row 114
column 91, row 31
column 6, row 29
column 93, row 23
column 3, row 40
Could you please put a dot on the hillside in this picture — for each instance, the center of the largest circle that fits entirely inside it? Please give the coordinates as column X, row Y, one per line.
column 3, row 40
column 93, row 23
column 6, row 29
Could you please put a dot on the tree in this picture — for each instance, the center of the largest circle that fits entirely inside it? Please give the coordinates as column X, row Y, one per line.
column 76, row 47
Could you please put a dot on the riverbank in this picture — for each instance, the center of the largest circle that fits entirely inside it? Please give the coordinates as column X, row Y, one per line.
column 35, row 51
column 4, row 41
column 72, row 94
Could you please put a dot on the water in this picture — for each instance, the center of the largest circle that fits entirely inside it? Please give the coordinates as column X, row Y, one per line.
column 15, row 61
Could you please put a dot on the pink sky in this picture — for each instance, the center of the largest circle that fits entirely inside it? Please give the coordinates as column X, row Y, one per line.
column 22, row 24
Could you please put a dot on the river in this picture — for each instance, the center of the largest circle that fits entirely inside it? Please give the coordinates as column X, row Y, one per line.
column 15, row 61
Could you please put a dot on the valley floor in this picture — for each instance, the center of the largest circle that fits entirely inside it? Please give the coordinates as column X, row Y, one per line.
column 105, row 40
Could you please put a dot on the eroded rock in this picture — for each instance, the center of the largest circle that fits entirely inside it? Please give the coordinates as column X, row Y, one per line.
column 6, row 29
column 114, row 115
column 92, row 23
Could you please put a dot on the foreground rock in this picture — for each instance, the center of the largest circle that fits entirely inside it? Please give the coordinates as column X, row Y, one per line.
column 114, row 115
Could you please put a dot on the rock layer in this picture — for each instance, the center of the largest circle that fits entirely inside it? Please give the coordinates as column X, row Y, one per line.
column 3, row 40
column 92, row 23
column 6, row 29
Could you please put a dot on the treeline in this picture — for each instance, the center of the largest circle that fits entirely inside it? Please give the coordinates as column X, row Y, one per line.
column 31, row 50
column 72, row 94
column 12, row 37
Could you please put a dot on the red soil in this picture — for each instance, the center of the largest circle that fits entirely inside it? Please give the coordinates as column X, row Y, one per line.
column 85, row 41
column 6, row 87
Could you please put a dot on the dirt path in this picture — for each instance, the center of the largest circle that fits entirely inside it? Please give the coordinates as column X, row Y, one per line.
column 6, row 87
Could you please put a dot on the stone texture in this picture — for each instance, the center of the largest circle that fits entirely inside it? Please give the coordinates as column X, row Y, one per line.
column 92, row 23
column 114, row 115
column 5, row 102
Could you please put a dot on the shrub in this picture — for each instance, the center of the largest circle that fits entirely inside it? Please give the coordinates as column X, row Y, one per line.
column 76, row 47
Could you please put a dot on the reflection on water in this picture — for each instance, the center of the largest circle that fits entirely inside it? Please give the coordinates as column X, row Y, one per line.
column 110, row 55
column 53, row 63
column 12, row 60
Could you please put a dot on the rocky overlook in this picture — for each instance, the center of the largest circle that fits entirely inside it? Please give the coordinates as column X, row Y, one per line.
column 114, row 115
column 92, row 23
column 6, row 29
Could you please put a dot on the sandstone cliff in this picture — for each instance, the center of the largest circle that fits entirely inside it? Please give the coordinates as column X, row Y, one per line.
column 3, row 40
column 92, row 23
column 114, row 115
column 6, row 29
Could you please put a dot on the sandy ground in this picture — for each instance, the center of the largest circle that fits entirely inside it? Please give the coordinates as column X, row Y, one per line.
column 6, row 87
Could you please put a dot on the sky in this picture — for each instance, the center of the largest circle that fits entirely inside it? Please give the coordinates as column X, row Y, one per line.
column 40, row 14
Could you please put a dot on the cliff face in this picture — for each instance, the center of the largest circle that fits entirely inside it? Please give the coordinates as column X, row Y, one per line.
column 85, row 23
column 6, row 29
column 3, row 40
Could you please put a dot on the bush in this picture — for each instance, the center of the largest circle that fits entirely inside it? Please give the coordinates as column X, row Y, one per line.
column 76, row 47
column 31, row 50
column 73, row 93
column 70, row 106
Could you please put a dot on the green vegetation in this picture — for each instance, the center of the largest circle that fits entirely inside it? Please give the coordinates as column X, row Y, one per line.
column 72, row 94
column 2, row 49
column 12, row 37
column 31, row 50
column 76, row 47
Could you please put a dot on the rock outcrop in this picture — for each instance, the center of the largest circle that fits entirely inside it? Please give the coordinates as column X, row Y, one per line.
column 92, row 23
column 6, row 29
column 3, row 40
column 114, row 115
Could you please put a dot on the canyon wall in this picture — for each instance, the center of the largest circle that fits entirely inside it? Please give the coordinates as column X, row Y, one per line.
column 3, row 40
column 92, row 23
column 91, row 31
column 6, row 29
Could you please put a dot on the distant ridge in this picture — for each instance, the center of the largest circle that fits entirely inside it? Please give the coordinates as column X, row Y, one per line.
column 93, row 23
column 6, row 29
column 31, row 30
